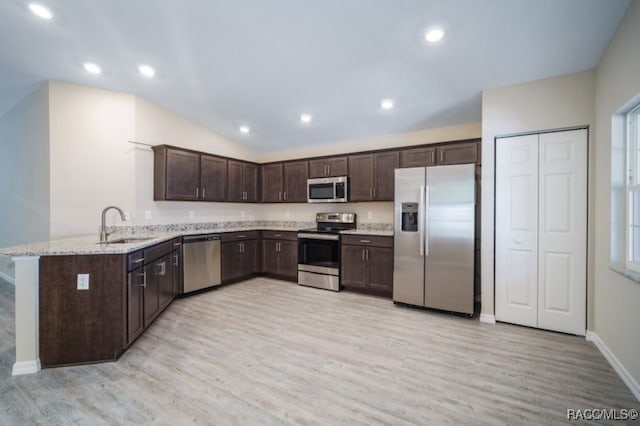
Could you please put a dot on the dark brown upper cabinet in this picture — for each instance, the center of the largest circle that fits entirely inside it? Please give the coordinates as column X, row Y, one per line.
column 459, row 153
column 284, row 182
column 328, row 167
column 418, row 157
column 213, row 178
column 242, row 181
column 371, row 176
column 188, row 176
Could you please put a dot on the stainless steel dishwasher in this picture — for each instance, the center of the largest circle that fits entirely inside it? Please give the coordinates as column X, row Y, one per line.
column 201, row 261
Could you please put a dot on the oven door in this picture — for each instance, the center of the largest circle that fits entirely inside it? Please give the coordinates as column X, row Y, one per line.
column 319, row 253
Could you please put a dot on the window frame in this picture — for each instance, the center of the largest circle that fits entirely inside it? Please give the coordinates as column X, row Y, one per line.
column 632, row 221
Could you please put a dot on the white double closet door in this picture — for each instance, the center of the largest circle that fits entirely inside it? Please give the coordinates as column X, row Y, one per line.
column 541, row 230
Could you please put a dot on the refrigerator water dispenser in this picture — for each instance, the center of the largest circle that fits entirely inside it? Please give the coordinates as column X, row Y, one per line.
column 409, row 217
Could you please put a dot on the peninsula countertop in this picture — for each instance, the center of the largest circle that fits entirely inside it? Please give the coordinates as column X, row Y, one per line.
column 88, row 244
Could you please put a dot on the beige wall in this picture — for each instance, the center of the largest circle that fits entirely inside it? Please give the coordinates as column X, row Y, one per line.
column 552, row 103
column 91, row 158
column 24, row 174
column 616, row 298
column 155, row 126
column 440, row 134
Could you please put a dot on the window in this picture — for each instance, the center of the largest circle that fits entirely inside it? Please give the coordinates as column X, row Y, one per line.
column 633, row 188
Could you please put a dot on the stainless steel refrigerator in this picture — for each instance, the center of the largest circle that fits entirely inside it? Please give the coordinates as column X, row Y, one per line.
column 434, row 227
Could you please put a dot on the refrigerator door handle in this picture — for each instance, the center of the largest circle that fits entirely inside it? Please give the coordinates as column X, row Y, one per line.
column 427, row 215
column 421, row 220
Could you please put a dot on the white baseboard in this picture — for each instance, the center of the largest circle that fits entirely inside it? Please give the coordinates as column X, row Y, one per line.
column 8, row 278
column 489, row 319
column 626, row 377
column 26, row 367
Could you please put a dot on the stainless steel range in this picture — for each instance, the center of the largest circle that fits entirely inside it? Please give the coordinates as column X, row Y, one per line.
column 319, row 250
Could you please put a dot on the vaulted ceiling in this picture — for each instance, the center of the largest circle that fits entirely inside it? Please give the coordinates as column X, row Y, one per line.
column 262, row 63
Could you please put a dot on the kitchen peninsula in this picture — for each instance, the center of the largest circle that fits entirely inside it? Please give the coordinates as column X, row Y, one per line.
column 60, row 323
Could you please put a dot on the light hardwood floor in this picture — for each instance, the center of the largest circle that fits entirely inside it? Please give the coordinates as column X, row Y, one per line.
column 270, row 352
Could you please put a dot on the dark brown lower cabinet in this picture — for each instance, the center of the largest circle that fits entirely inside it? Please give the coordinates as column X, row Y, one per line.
column 126, row 293
column 366, row 264
column 239, row 259
column 280, row 255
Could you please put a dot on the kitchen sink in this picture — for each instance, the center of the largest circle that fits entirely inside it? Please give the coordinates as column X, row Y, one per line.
column 126, row 240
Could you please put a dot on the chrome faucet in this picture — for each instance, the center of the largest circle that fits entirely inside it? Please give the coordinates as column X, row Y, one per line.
column 103, row 227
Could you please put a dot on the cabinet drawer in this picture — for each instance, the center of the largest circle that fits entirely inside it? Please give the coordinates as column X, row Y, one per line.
column 280, row 235
column 135, row 260
column 154, row 252
column 176, row 243
column 239, row 236
column 367, row 240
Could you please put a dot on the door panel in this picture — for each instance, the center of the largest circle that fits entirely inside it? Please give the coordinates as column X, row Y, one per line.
column 450, row 238
column 563, row 231
column 183, row 175
column 408, row 263
column 213, row 178
column 516, row 257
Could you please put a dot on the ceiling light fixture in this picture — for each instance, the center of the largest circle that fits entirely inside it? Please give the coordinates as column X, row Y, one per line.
column 434, row 35
column 386, row 104
column 147, row 70
column 244, row 129
column 92, row 68
column 306, row 118
column 40, row 11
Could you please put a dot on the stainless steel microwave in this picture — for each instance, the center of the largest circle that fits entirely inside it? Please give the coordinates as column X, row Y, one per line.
column 328, row 190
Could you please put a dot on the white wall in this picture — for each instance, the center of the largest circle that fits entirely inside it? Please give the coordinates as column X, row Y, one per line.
column 617, row 299
column 421, row 137
column 155, row 126
column 552, row 103
column 24, row 174
column 91, row 158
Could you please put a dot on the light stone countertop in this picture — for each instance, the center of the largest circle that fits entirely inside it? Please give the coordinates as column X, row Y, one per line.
column 88, row 244
column 378, row 232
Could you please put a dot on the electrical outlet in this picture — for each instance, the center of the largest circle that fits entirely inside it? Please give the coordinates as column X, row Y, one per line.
column 127, row 216
column 147, row 214
column 287, row 214
column 369, row 215
column 242, row 213
column 83, row 281
column 192, row 214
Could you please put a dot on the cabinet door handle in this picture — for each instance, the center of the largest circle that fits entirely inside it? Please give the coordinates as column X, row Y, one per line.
column 241, row 247
column 367, row 255
column 203, row 192
column 280, row 196
column 175, row 259
column 365, row 241
column 176, row 244
column 197, row 192
column 139, row 260
column 441, row 156
column 242, row 236
column 277, row 235
column 162, row 268
column 284, row 195
column 363, row 255
column 144, row 279
column 374, row 192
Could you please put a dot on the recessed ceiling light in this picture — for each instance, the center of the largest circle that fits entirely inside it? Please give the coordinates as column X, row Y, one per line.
column 306, row 118
column 40, row 11
column 386, row 104
column 92, row 68
column 434, row 35
column 146, row 70
column 244, row 129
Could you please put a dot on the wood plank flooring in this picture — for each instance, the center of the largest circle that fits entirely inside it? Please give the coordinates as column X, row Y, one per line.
column 270, row 352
